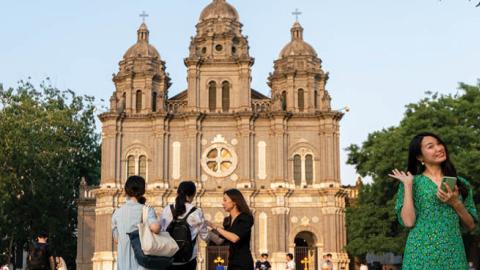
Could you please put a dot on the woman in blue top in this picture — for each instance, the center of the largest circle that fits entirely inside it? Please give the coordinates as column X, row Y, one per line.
column 434, row 216
column 125, row 220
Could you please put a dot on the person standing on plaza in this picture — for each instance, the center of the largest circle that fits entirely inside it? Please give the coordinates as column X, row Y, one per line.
column 40, row 256
column 183, row 209
column 290, row 262
column 434, row 215
column 237, row 230
column 125, row 220
column 263, row 263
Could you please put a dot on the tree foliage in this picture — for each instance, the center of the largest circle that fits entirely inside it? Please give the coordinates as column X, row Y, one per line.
column 371, row 223
column 48, row 142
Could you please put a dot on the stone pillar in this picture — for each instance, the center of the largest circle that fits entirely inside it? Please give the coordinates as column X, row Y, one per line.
column 104, row 257
column 158, row 160
column 191, row 155
column 280, row 152
column 109, row 145
column 280, row 234
column 244, row 151
column 86, row 230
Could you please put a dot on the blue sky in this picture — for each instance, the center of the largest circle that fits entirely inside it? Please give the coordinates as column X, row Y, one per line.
column 381, row 54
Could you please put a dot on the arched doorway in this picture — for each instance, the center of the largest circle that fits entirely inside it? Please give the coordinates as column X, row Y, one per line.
column 306, row 251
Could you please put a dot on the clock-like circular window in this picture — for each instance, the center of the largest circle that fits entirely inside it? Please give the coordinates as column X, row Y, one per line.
column 219, row 160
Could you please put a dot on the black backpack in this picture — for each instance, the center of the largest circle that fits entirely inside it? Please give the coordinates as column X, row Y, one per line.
column 38, row 257
column 179, row 230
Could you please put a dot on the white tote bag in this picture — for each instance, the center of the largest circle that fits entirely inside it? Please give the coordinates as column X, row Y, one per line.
column 155, row 244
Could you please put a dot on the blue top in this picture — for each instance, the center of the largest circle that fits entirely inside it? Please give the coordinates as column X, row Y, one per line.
column 124, row 220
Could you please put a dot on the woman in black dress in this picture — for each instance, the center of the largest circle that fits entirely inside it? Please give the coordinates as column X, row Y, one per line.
column 237, row 230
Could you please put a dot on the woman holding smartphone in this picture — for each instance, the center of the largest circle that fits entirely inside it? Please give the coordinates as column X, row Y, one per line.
column 434, row 215
column 236, row 230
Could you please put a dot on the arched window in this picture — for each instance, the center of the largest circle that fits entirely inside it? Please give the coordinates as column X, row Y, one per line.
column 297, row 170
column 225, row 96
column 301, row 100
column 154, row 101
column 315, row 99
column 130, row 166
column 138, row 101
column 142, row 167
column 309, row 169
column 212, row 96
column 284, row 100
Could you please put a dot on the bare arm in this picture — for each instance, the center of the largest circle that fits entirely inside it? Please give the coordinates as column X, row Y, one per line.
column 155, row 228
column 228, row 235
column 221, row 231
column 452, row 198
column 464, row 215
column 52, row 263
column 408, row 209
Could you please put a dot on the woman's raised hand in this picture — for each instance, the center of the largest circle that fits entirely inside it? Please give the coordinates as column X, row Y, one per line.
column 405, row 177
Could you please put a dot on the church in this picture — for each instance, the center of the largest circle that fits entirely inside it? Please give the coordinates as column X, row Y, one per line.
column 282, row 151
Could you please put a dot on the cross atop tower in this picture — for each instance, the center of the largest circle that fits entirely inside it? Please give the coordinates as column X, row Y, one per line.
column 143, row 15
column 296, row 13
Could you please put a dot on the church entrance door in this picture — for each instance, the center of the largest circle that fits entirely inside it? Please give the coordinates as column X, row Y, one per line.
column 305, row 251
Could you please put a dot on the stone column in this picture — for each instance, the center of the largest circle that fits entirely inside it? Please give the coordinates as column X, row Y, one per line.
column 244, row 150
column 104, row 257
column 280, row 234
column 158, row 154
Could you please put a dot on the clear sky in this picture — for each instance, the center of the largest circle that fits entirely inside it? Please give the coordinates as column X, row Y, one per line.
column 381, row 54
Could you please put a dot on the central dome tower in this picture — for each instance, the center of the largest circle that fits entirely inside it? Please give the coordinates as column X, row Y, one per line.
column 219, row 63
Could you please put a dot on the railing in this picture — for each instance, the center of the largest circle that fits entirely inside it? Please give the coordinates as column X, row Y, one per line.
column 176, row 106
column 261, row 105
column 85, row 190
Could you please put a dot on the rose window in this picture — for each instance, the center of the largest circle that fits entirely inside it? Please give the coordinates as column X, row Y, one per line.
column 219, row 160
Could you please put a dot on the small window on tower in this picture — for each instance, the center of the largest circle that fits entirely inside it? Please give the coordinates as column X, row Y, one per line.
column 154, row 101
column 225, row 96
column 130, row 166
column 204, row 50
column 139, row 101
column 219, row 47
column 301, row 100
column 142, row 166
column 297, row 170
column 212, row 96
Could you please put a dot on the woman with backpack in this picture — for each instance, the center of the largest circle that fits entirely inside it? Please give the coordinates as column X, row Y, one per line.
column 125, row 220
column 185, row 223
column 237, row 230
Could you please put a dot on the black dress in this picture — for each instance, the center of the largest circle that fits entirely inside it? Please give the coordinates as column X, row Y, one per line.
column 240, row 256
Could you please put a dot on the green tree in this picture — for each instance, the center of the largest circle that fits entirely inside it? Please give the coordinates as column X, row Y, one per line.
column 48, row 142
column 372, row 223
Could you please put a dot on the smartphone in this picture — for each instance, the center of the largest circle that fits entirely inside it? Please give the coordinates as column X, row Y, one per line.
column 450, row 181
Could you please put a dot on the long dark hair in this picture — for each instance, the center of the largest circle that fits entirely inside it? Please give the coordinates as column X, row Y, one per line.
column 135, row 187
column 185, row 189
column 416, row 167
column 237, row 197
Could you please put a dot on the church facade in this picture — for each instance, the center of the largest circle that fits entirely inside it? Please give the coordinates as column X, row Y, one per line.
column 282, row 151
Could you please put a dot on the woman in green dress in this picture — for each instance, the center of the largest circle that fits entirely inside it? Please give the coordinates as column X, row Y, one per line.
column 433, row 215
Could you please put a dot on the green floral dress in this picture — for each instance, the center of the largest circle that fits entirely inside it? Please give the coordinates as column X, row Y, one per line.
column 435, row 242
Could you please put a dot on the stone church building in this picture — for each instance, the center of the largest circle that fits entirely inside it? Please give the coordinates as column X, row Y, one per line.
column 282, row 150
